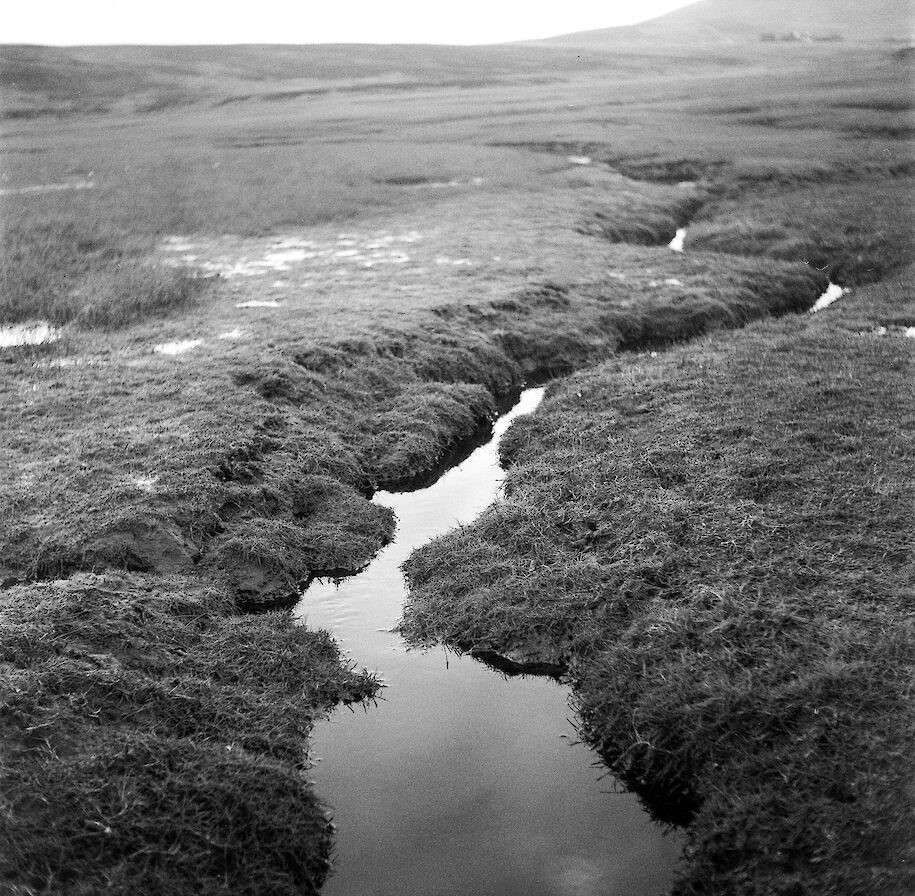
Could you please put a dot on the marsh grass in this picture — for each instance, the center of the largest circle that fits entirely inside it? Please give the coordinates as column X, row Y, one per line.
column 646, row 223
column 157, row 742
column 857, row 231
column 265, row 465
column 63, row 272
column 723, row 562
column 158, row 735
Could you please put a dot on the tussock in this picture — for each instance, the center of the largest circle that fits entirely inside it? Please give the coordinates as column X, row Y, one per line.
column 155, row 744
column 63, row 273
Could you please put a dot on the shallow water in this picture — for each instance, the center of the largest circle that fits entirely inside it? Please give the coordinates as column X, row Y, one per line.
column 48, row 188
column 291, row 254
column 833, row 293
column 460, row 780
column 677, row 242
column 179, row 347
column 38, row 333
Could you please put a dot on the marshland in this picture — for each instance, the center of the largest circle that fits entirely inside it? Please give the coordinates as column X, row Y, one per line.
column 261, row 307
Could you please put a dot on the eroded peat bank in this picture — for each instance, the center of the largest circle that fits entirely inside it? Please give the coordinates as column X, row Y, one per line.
column 297, row 286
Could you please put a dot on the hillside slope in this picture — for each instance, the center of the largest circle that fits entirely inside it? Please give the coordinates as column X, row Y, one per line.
column 739, row 21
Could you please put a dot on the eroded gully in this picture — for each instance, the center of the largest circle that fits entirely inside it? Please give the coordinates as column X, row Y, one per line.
column 461, row 780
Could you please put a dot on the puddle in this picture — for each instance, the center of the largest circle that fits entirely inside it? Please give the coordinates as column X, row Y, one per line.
column 177, row 244
column 677, row 242
column 146, row 483
column 231, row 334
column 40, row 333
column 461, row 780
column 48, row 188
column 579, row 160
column 179, row 347
column 832, row 294
column 906, row 332
column 284, row 254
column 259, row 303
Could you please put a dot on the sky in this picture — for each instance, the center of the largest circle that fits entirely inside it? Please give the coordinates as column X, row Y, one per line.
column 63, row 22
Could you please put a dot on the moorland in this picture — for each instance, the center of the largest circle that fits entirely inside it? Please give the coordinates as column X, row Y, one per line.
column 281, row 278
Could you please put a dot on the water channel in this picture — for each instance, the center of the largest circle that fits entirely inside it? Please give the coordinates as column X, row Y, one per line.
column 460, row 780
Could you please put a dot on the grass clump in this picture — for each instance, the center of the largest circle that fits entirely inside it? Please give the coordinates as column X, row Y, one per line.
column 127, row 293
column 651, row 221
column 219, row 821
column 426, row 422
column 714, row 541
column 857, row 231
column 65, row 272
column 267, row 559
column 154, row 743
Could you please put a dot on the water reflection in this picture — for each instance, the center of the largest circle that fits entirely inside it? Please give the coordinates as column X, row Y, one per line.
column 461, row 781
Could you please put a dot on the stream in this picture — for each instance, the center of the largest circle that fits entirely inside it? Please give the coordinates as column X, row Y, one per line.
column 461, row 780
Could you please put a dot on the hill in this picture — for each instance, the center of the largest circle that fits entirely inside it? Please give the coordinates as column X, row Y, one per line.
column 740, row 21
column 38, row 81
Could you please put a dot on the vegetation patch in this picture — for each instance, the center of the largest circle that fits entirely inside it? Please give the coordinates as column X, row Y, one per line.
column 153, row 742
column 714, row 541
column 262, row 486
column 856, row 232
column 653, row 224
column 63, row 272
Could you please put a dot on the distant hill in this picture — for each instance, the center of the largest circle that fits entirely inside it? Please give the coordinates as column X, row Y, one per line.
column 52, row 81
column 36, row 80
column 41, row 81
column 717, row 22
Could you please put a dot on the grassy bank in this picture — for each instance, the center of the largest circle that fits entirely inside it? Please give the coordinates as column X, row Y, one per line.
column 255, row 464
column 716, row 541
column 153, row 742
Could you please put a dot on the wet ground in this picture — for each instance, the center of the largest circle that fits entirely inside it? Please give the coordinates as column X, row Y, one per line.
column 461, row 780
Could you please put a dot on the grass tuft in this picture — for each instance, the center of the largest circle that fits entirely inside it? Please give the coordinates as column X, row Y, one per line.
column 154, row 742
column 64, row 272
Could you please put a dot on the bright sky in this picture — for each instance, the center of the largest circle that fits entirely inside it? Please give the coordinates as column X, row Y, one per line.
column 312, row 21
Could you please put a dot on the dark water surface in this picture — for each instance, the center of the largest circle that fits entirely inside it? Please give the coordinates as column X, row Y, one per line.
column 461, row 781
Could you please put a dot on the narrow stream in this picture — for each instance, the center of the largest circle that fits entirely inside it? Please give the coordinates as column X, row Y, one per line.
column 833, row 293
column 677, row 242
column 461, row 780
